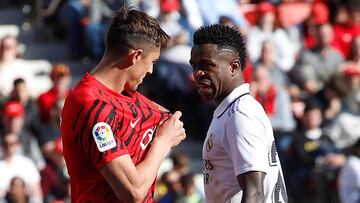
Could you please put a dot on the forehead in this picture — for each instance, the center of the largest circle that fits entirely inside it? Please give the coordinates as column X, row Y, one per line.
column 9, row 40
column 204, row 51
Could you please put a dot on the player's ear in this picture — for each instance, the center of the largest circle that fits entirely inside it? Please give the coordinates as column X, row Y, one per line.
column 129, row 59
column 235, row 67
column 135, row 55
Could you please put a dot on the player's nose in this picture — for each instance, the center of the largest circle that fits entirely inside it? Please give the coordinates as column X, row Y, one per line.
column 198, row 73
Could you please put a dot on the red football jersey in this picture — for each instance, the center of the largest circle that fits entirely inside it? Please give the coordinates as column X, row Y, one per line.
column 99, row 125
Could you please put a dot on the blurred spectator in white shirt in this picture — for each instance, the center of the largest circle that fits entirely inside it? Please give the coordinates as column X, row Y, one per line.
column 13, row 164
column 266, row 30
column 11, row 66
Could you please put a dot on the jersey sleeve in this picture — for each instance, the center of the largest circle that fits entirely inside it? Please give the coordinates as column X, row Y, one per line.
column 101, row 133
column 245, row 143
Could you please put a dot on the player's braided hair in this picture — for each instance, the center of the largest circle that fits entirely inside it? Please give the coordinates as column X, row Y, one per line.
column 225, row 37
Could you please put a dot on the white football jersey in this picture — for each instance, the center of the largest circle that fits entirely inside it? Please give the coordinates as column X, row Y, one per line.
column 240, row 139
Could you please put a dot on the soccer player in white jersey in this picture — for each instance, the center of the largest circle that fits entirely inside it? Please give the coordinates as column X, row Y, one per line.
column 240, row 161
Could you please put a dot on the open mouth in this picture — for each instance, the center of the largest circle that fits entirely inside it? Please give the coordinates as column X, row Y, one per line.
column 204, row 87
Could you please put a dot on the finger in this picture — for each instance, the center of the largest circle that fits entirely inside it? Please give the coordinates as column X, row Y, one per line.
column 177, row 115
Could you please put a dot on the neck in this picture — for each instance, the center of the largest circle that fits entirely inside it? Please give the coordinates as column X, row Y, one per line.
column 8, row 157
column 109, row 75
column 236, row 83
column 267, row 28
column 7, row 58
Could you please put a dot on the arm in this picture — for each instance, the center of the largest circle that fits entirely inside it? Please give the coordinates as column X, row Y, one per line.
column 131, row 183
column 252, row 185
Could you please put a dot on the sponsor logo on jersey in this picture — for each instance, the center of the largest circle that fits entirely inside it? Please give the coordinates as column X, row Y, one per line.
column 209, row 143
column 147, row 138
column 207, row 166
column 133, row 124
column 103, row 136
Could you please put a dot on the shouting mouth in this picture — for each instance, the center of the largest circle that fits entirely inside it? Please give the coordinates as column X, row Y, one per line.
column 204, row 87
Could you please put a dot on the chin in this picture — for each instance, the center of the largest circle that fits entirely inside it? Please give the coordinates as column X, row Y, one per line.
column 206, row 97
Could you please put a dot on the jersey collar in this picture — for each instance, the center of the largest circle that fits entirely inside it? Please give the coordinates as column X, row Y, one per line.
column 224, row 104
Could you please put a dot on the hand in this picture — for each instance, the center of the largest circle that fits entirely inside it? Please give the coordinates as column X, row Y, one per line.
column 334, row 160
column 172, row 131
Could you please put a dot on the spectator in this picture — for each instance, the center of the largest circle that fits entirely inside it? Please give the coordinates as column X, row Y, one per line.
column 343, row 129
column 73, row 13
column 171, row 180
column 189, row 194
column 13, row 164
column 274, row 99
column 181, row 163
column 346, row 29
column 13, row 118
column 212, row 10
column 349, row 178
column 100, row 12
column 355, row 51
column 21, row 93
column 315, row 160
column 178, row 50
column 61, row 78
column 319, row 64
column 277, row 105
column 319, row 15
column 278, row 76
column 351, row 101
column 17, row 192
column 11, row 66
column 54, row 177
column 266, row 30
column 50, row 133
column 330, row 97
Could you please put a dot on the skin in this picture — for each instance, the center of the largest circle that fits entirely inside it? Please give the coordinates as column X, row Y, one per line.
column 124, row 73
column 217, row 73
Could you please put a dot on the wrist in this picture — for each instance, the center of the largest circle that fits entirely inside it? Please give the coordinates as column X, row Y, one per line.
column 160, row 146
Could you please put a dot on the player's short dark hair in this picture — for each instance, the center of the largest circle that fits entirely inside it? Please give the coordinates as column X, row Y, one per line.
column 132, row 29
column 225, row 37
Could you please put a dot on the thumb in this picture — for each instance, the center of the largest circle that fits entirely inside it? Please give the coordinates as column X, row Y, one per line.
column 177, row 115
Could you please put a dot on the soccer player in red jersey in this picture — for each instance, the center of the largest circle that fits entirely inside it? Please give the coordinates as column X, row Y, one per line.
column 114, row 139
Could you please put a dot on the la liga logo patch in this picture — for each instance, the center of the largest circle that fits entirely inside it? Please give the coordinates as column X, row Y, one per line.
column 103, row 136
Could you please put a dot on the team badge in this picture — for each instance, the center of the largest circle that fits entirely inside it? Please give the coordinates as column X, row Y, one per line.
column 209, row 143
column 103, row 136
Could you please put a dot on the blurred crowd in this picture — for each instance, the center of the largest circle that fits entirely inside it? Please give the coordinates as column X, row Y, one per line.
column 303, row 66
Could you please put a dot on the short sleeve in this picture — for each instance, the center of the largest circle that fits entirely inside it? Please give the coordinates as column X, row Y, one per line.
column 245, row 143
column 101, row 138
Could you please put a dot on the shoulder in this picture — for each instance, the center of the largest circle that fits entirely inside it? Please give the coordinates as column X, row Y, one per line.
column 243, row 111
column 249, row 106
column 248, row 113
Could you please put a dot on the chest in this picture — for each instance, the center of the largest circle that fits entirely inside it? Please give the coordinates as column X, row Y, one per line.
column 215, row 141
column 138, row 129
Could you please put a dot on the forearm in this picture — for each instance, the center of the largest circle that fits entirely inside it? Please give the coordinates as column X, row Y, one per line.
column 131, row 183
column 252, row 197
column 149, row 167
column 252, row 185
